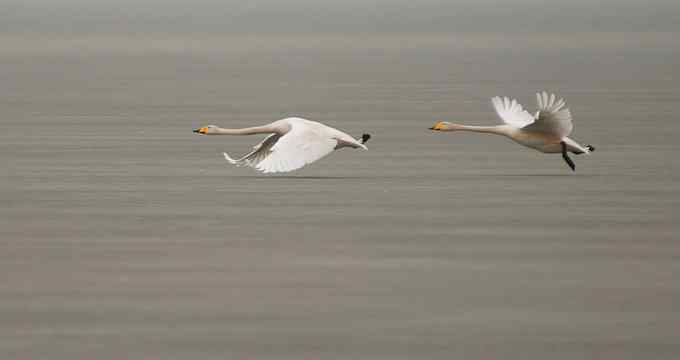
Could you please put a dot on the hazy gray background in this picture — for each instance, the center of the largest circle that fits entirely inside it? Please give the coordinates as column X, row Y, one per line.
column 76, row 16
column 124, row 235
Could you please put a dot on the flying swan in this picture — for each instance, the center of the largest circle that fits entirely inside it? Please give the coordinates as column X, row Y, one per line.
column 546, row 131
column 293, row 143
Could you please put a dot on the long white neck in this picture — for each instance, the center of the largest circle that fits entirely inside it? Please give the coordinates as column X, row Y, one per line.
column 504, row 130
column 245, row 131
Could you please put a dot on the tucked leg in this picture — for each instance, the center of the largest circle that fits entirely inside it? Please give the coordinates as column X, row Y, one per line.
column 566, row 157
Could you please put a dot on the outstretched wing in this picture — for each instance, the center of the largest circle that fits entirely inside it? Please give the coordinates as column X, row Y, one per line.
column 259, row 153
column 300, row 146
column 552, row 117
column 511, row 112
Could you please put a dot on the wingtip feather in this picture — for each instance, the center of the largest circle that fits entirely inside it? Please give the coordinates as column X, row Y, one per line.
column 228, row 158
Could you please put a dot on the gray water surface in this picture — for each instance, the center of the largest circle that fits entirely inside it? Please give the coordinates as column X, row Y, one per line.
column 125, row 235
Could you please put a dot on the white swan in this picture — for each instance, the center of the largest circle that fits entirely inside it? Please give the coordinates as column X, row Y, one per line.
column 546, row 132
column 293, row 143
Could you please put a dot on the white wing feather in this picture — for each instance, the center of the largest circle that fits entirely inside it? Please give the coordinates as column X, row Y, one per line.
column 302, row 145
column 259, row 153
column 552, row 117
column 511, row 112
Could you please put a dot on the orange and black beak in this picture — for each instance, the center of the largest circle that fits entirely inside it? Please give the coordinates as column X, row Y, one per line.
column 202, row 130
column 438, row 126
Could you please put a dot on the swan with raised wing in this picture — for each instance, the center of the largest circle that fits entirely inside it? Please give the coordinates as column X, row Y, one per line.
column 547, row 131
column 293, row 143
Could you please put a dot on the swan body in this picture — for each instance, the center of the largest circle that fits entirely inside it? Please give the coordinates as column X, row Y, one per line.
column 293, row 143
column 547, row 131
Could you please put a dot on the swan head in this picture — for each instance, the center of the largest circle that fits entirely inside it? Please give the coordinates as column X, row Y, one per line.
column 443, row 126
column 207, row 130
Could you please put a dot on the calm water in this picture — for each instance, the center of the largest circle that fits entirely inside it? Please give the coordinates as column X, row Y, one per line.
column 124, row 235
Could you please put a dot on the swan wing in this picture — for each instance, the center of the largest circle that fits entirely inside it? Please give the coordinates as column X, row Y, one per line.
column 511, row 112
column 259, row 153
column 301, row 145
column 552, row 117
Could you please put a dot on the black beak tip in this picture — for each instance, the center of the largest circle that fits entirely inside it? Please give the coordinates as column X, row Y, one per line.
column 197, row 131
